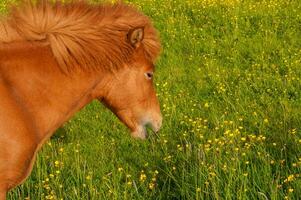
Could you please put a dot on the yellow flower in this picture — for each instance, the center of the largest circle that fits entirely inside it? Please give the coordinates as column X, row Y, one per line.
column 212, row 174
column 57, row 163
column 290, row 178
column 151, row 186
column 142, row 176
column 49, row 197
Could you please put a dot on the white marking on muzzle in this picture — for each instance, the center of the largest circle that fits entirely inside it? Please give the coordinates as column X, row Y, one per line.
column 141, row 131
column 155, row 124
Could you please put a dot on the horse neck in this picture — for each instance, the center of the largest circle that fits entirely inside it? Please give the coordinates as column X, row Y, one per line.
column 47, row 95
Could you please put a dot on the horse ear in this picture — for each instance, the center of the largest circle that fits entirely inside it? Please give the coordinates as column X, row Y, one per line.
column 135, row 36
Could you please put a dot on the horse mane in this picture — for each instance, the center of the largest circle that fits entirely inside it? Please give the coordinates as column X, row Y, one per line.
column 81, row 34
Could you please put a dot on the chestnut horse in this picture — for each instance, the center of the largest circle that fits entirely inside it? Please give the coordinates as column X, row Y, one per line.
column 55, row 58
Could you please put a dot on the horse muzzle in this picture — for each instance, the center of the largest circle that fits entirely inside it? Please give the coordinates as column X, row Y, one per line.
column 155, row 124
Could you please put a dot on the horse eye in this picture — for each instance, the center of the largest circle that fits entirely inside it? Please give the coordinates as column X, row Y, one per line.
column 149, row 75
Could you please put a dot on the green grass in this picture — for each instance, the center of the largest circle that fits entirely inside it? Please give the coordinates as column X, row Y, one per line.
column 230, row 89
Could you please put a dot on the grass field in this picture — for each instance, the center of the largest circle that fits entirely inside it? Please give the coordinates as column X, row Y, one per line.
column 229, row 82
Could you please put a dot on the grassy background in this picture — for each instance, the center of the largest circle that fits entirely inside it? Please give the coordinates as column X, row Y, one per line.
column 229, row 85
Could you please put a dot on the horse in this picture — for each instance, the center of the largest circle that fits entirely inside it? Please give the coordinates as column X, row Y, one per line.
column 57, row 57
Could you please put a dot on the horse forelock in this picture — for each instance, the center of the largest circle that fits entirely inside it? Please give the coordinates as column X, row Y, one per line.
column 80, row 34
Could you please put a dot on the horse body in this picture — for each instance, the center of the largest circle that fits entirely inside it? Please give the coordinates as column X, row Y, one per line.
column 33, row 104
column 43, row 91
column 38, row 93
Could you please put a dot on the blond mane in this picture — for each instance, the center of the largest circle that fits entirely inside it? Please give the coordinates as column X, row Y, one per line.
column 80, row 34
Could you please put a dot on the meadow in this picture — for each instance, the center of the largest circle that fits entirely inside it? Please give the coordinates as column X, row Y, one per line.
column 229, row 84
